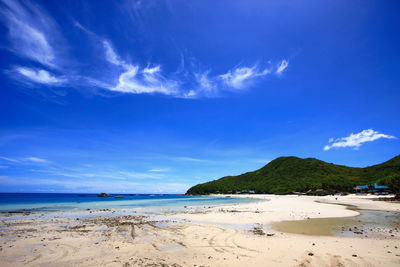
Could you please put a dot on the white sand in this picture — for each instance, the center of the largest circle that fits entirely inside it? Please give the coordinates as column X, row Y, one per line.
column 278, row 208
column 202, row 239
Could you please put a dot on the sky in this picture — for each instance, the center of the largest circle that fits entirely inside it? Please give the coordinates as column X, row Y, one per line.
column 151, row 96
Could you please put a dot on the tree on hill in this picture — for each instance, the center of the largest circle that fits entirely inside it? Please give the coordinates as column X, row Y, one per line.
column 393, row 181
column 285, row 175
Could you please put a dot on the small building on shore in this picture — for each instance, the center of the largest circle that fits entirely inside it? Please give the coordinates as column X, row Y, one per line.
column 373, row 189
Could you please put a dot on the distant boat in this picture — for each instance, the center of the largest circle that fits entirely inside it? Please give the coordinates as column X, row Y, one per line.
column 103, row 195
column 119, row 197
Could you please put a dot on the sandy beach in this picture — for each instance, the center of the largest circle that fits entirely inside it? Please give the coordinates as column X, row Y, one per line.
column 233, row 235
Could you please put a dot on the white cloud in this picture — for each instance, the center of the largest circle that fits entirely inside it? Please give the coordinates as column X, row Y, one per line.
column 282, row 66
column 37, row 160
column 205, row 86
column 356, row 140
column 152, row 71
column 9, row 159
column 237, row 78
column 189, row 159
column 95, row 185
column 39, row 76
column 82, row 28
column 135, row 81
column 204, row 81
column 34, row 35
column 28, row 29
column 139, row 175
column 24, row 160
column 111, row 56
column 99, row 173
column 160, row 170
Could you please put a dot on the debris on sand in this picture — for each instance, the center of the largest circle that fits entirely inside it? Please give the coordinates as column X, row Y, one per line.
column 258, row 230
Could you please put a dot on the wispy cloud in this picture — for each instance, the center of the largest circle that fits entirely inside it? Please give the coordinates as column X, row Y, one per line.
column 35, row 159
column 98, row 173
column 136, row 79
column 356, row 140
column 28, row 29
column 239, row 77
column 25, row 160
column 95, row 185
column 34, row 35
column 189, row 159
column 10, row 159
column 204, row 81
column 39, row 76
column 112, row 57
column 282, row 66
column 138, row 175
column 160, row 170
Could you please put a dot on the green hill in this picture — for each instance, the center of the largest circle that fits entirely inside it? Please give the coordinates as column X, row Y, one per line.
column 288, row 174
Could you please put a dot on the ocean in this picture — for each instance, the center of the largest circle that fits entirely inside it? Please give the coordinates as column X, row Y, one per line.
column 47, row 202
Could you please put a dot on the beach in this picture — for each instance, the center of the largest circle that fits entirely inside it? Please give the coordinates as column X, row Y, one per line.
column 240, row 234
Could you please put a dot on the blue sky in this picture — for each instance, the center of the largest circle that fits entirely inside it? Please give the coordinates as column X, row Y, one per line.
column 156, row 96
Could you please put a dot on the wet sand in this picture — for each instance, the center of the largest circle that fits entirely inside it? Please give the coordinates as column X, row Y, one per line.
column 236, row 235
column 370, row 223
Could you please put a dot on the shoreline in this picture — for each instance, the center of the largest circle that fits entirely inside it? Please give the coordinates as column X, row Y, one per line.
column 223, row 235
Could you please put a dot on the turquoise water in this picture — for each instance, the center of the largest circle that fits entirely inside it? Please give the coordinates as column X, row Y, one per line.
column 42, row 202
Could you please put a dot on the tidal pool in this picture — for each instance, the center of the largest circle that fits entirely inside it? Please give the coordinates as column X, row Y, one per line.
column 370, row 223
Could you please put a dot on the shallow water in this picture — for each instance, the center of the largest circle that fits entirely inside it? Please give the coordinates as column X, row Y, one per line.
column 141, row 204
column 370, row 223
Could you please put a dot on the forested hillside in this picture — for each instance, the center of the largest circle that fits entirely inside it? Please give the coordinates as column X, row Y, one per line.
column 288, row 174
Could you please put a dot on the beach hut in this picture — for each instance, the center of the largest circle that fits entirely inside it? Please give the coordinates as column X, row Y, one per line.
column 361, row 189
column 374, row 189
column 381, row 189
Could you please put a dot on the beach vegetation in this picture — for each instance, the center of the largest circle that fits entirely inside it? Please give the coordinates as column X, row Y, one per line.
column 286, row 175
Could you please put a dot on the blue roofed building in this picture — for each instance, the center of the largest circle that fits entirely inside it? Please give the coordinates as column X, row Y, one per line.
column 375, row 189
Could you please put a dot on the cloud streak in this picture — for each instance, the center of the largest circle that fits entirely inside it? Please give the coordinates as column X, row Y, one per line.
column 282, row 66
column 28, row 30
column 25, row 160
column 135, row 79
column 240, row 77
column 112, row 57
column 37, row 160
column 356, row 140
column 34, row 36
column 39, row 76
column 140, row 81
column 95, row 186
column 160, row 170
column 10, row 159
